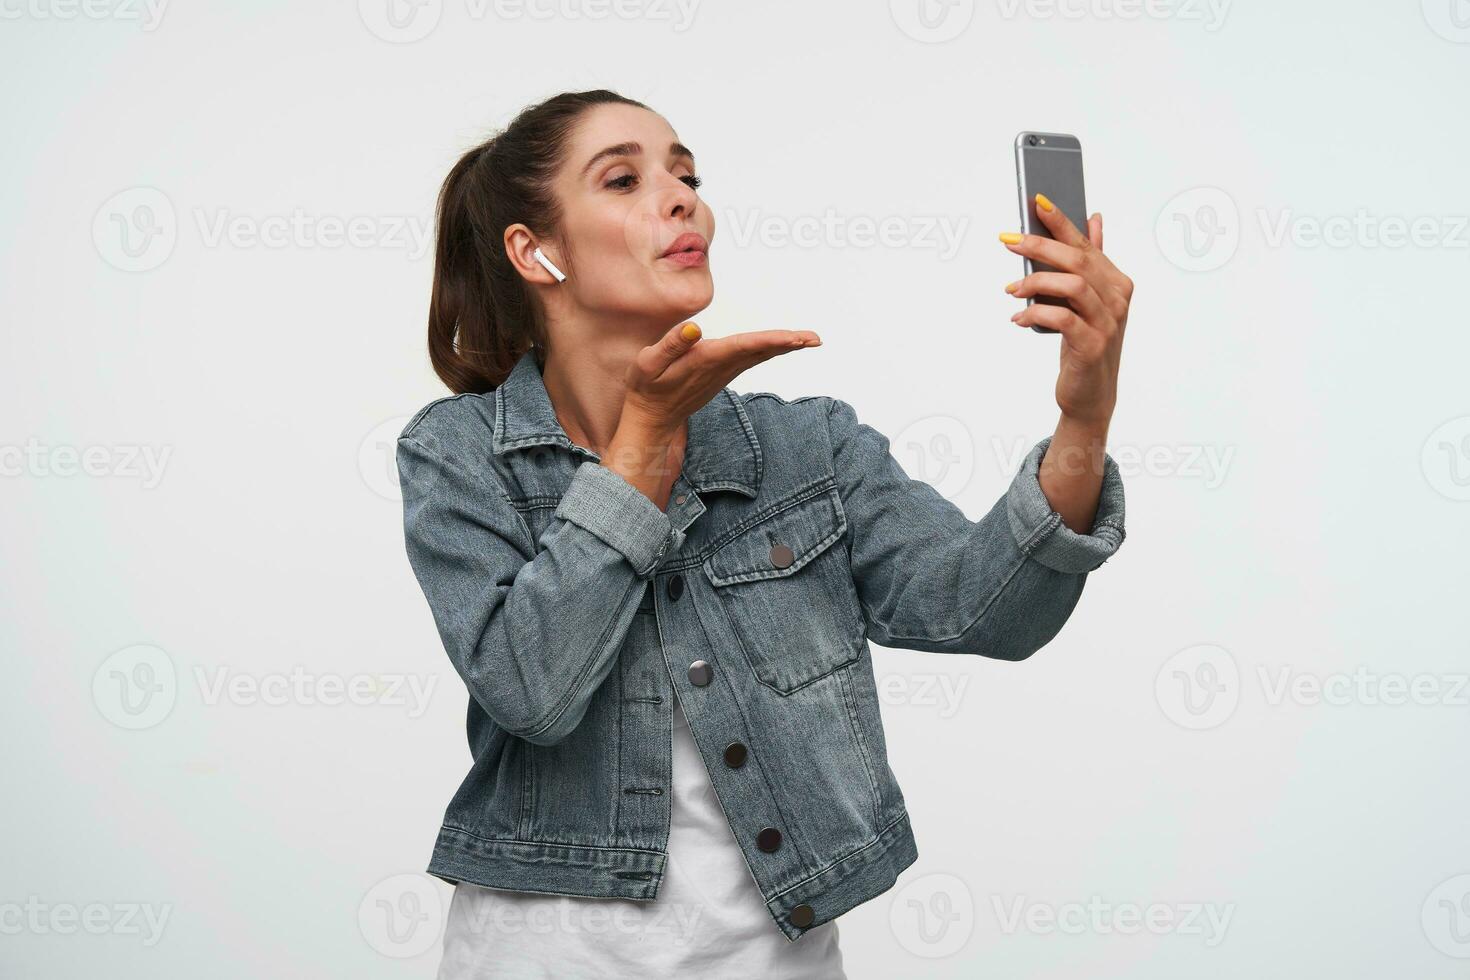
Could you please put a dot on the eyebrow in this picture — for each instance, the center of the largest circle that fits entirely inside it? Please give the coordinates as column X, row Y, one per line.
column 632, row 149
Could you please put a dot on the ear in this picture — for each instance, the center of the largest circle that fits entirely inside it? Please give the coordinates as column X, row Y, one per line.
column 519, row 246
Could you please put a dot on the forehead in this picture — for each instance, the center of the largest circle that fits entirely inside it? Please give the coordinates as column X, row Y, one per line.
column 606, row 125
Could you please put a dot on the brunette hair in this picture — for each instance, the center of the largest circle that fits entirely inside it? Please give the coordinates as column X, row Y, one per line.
column 481, row 316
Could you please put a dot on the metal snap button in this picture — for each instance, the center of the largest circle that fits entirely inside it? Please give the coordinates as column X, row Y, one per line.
column 802, row 916
column 768, row 839
column 782, row 556
column 701, row 673
column 735, row 754
column 676, row 586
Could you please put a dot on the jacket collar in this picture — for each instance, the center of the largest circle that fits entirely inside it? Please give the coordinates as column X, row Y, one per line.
column 722, row 453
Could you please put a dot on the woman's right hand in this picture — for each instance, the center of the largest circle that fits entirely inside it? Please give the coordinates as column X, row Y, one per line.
column 677, row 376
column 672, row 379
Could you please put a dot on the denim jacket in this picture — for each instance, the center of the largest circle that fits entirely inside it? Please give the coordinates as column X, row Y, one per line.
column 575, row 610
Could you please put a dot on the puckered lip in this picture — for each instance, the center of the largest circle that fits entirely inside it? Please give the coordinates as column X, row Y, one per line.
column 688, row 242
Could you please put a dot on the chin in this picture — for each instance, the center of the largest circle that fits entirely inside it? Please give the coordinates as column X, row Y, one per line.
column 690, row 298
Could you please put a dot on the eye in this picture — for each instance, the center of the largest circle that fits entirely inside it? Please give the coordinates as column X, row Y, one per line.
column 627, row 181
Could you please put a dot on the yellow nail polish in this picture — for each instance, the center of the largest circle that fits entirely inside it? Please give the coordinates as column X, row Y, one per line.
column 1013, row 286
column 1043, row 202
column 1011, row 237
column 691, row 331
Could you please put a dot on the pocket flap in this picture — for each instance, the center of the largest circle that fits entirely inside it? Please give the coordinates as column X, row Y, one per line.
column 807, row 527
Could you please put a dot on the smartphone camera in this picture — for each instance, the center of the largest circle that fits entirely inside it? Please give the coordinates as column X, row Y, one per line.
column 1031, row 140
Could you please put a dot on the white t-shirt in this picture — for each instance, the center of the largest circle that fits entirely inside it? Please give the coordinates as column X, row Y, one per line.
column 709, row 919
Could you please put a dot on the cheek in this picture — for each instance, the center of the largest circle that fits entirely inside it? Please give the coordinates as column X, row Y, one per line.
column 615, row 266
column 612, row 274
column 621, row 241
column 641, row 234
column 606, row 253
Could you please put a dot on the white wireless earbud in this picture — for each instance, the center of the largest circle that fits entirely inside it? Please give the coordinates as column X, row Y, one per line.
column 560, row 276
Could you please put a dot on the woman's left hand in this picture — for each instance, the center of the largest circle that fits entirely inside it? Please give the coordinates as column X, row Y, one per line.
column 1092, row 329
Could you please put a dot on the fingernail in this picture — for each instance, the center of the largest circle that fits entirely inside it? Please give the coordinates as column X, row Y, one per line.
column 1011, row 237
column 1013, row 286
column 1043, row 202
column 1015, row 318
column 690, row 331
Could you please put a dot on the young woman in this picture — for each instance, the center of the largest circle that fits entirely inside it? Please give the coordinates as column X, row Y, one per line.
column 659, row 592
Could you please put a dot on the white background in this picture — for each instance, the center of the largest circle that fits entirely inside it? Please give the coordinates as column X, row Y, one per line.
column 1294, row 428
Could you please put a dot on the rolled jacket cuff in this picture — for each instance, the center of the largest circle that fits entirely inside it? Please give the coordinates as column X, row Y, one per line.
column 604, row 503
column 1039, row 530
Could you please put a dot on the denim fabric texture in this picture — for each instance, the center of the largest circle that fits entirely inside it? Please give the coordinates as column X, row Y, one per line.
column 792, row 538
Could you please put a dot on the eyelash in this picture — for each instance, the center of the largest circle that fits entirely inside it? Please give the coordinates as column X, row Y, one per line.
column 617, row 183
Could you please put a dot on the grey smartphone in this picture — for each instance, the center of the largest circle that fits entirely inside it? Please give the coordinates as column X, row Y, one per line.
column 1051, row 164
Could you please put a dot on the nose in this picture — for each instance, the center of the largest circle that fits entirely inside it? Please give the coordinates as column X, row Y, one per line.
column 682, row 200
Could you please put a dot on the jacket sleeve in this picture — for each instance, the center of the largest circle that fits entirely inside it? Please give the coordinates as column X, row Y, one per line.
column 533, row 634
column 929, row 578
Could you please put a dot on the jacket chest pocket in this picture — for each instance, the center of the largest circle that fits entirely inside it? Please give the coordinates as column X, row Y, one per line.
column 786, row 586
